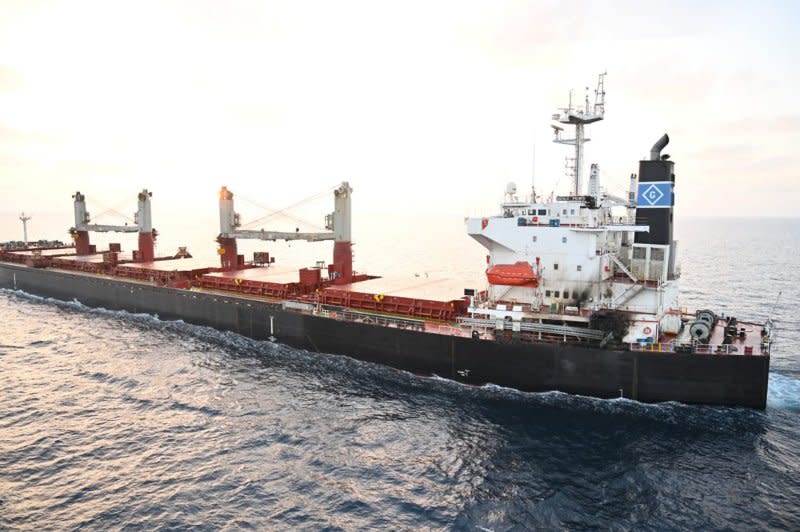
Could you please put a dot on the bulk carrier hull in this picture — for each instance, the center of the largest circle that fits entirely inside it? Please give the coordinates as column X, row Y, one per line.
column 718, row 379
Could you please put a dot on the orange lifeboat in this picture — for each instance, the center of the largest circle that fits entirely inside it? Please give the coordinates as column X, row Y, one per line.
column 518, row 274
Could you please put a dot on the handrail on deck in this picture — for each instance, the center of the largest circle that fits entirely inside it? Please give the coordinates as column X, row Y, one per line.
column 696, row 348
column 658, row 347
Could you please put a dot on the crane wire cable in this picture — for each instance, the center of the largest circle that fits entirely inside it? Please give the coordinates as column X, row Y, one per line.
column 273, row 215
column 113, row 210
column 282, row 212
column 295, row 204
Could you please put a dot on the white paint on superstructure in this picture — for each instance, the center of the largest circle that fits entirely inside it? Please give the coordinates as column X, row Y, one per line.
column 583, row 254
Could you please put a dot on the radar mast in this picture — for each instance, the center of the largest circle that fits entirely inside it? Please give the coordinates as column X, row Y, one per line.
column 578, row 117
column 24, row 219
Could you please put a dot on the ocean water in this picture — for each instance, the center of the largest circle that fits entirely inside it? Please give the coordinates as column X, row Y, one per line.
column 111, row 420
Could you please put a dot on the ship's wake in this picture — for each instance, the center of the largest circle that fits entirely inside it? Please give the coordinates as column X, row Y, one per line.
column 783, row 393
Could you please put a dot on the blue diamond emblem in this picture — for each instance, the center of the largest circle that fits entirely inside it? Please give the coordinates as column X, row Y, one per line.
column 652, row 194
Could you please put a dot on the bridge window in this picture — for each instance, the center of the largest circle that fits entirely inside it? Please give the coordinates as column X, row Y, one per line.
column 566, row 294
column 564, row 212
column 572, row 211
column 580, row 267
column 542, row 212
column 547, row 293
column 555, row 294
column 555, row 266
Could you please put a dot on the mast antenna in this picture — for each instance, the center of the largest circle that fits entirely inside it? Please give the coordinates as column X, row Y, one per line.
column 579, row 118
column 24, row 219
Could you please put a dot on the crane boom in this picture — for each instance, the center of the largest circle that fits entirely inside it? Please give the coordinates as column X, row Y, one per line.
column 338, row 225
column 143, row 226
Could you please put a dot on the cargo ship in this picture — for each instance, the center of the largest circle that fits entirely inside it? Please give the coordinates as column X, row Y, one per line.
column 580, row 293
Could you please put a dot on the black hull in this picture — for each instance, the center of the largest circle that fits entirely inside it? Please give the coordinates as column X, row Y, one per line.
column 734, row 380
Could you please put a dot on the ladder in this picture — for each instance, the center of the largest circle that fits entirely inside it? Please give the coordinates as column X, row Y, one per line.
column 622, row 267
column 626, row 296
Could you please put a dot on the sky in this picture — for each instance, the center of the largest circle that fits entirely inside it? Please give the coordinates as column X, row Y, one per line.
column 425, row 107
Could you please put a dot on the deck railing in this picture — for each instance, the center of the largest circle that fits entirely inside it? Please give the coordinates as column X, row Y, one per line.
column 532, row 327
column 658, row 347
column 366, row 317
column 698, row 349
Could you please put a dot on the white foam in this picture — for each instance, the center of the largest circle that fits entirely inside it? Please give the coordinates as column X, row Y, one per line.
column 783, row 393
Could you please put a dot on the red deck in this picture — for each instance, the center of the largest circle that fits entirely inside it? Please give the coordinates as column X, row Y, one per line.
column 56, row 252
column 751, row 343
column 272, row 281
column 412, row 296
column 94, row 263
column 271, row 274
column 34, row 257
column 431, row 289
column 94, row 258
column 173, row 272
column 170, row 265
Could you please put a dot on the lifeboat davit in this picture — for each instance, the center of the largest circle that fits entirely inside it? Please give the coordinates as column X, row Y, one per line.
column 518, row 274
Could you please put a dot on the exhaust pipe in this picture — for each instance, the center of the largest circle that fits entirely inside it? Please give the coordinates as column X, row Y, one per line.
column 655, row 151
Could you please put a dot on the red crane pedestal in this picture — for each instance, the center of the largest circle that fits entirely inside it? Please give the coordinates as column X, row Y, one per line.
column 82, row 245
column 342, row 267
column 146, row 245
column 228, row 253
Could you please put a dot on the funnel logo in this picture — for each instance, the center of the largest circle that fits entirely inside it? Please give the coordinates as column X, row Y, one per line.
column 656, row 194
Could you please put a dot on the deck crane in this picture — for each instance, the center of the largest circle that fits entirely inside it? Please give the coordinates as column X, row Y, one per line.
column 142, row 220
column 337, row 223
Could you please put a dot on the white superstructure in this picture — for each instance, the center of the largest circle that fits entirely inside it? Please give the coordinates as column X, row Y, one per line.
column 562, row 260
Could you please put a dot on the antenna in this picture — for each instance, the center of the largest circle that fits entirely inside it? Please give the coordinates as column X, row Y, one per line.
column 579, row 118
column 600, row 95
column 24, row 219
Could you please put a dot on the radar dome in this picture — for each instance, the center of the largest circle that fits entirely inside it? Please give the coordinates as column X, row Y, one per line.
column 511, row 188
